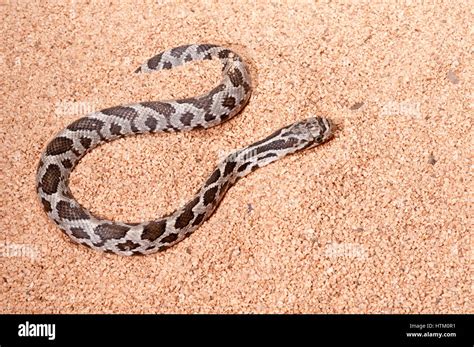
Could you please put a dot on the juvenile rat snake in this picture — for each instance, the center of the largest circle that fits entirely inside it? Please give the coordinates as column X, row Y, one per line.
column 220, row 104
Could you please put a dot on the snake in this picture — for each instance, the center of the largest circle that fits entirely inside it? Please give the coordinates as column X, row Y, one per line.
column 218, row 105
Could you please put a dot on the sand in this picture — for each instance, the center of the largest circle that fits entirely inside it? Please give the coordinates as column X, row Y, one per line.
column 375, row 221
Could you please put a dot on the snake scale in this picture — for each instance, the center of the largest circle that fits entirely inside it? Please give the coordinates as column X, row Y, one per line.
column 218, row 105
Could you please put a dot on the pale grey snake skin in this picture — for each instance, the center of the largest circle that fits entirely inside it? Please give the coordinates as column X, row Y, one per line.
column 220, row 104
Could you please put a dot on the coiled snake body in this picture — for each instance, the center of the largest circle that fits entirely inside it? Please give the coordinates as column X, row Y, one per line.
column 220, row 104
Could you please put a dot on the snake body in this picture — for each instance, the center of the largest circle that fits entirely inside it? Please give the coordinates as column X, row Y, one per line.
column 220, row 104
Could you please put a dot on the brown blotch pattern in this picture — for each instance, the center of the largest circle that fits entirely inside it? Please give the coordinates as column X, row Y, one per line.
column 153, row 62
column 67, row 193
column 170, row 238
column 178, row 51
column 150, row 247
column 111, row 231
column 128, row 245
column 277, row 145
column 204, row 48
column 187, row 118
column 246, row 88
column 121, row 111
column 86, row 124
column 51, row 178
column 85, row 142
column 187, row 215
column 162, row 248
column 151, row 123
column 46, row 205
column 229, row 167
column 59, row 145
column 214, row 177
column 68, row 211
column 236, row 77
column 153, row 230
column 67, row 164
column 79, row 233
column 160, row 107
column 99, row 243
column 243, row 167
column 199, row 219
column 224, row 187
column 210, row 195
column 229, row 102
column 268, row 155
column 209, row 117
column 224, row 54
column 115, row 129
column 225, row 116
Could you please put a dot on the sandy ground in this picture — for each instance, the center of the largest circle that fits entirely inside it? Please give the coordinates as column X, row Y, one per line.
column 375, row 221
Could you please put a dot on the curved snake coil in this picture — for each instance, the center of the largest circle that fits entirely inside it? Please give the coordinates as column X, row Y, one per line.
column 220, row 104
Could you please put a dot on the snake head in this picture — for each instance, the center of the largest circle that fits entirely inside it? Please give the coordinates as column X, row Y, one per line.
column 312, row 131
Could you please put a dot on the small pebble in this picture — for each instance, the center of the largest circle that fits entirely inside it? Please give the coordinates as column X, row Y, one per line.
column 356, row 106
column 431, row 159
column 452, row 77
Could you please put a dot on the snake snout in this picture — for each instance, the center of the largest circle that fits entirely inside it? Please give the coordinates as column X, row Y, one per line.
column 327, row 128
column 320, row 128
